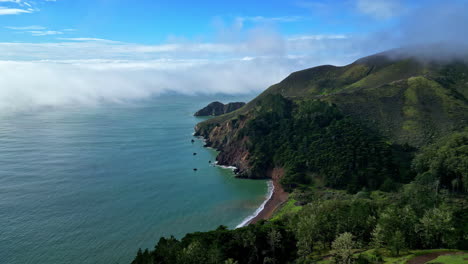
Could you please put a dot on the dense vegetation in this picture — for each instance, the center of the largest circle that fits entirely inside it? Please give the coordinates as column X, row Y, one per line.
column 446, row 162
column 375, row 156
column 391, row 204
column 417, row 216
column 406, row 99
column 314, row 140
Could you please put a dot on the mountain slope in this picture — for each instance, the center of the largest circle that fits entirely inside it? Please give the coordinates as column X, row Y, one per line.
column 408, row 100
column 217, row 108
column 329, row 129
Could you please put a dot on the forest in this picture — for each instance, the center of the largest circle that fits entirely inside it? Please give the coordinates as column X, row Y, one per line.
column 355, row 197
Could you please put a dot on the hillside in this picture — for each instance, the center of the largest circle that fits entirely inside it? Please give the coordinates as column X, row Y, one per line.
column 408, row 100
column 374, row 156
column 218, row 108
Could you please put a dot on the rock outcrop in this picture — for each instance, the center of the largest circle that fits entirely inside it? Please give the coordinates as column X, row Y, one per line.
column 226, row 139
column 217, row 108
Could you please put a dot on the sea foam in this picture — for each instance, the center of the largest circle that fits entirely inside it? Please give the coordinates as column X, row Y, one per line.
column 246, row 221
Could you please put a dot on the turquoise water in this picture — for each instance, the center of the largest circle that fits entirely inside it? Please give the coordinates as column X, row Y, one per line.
column 93, row 184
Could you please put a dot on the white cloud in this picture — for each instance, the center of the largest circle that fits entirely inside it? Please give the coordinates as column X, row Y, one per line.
column 257, row 43
column 20, row 7
column 14, row 11
column 86, row 70
column 380, row 9
column 89, row 39
column 27, row 28
column 39, row 30
column 60, row 83
column 89, row 70
column 11, row 1
column 317, row 37
column 271, row 19
column 45, row 32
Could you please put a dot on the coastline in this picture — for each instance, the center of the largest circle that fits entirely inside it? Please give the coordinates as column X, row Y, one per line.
column 248, row 220
column 276, row 198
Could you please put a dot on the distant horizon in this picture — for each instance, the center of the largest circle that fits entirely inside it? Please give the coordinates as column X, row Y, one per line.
column 86, row 52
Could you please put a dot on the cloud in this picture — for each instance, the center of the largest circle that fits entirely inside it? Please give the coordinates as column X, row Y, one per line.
column 16, row 7
column 27, row 28
column 317, row 37
column 258, row 42
column 14, row 11
column 89, row 39
column 40, row 30
column 19, row 2
column 45, row 32
column 93, row 82
column 283, row 19
column 437, row 22
column 380, row 9
column 431, row 31
column 88, row 71
column 12, row 1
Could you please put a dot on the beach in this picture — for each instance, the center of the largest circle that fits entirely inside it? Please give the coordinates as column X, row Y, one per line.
column 276, row 198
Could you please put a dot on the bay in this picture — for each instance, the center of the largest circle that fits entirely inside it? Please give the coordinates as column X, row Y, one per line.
column 94, row 184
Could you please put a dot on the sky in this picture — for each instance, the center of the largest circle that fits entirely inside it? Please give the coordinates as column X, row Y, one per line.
column 84, row 52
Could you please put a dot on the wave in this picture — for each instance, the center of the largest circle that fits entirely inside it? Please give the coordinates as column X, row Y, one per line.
column 270, row 184
column 249, row 218
column 233, row 168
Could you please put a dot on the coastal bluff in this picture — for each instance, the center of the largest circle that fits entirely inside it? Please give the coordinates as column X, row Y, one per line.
column 218, row 108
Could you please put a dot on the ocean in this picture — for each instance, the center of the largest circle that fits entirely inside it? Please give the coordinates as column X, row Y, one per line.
column 92, row 184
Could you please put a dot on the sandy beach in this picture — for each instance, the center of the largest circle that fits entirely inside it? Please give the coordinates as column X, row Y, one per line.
column 278, row 197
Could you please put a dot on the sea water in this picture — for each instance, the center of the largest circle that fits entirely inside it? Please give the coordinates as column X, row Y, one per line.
column 92, row 184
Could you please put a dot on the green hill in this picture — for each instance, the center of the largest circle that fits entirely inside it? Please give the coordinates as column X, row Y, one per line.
column 408, row 99
column 349, row 127
column 375, row 158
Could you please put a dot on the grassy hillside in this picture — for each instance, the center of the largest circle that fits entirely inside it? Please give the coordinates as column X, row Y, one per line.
column 409, row 100
column 375, row 157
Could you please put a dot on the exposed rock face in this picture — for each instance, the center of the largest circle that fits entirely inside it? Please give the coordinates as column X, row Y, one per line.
column 225, row 138
column 217, row 108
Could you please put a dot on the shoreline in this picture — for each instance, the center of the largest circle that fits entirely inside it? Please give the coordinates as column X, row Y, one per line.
column 248, row 220
column 275, row 199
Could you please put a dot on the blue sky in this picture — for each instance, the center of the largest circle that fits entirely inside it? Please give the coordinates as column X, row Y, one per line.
column 152, row 22
column 83, row 52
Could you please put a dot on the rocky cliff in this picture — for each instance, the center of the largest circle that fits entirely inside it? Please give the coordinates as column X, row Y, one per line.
column 225, row 137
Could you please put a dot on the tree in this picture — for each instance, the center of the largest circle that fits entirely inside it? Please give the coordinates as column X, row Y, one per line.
column 447, row 160
column 194, row 253
column 395, row 229
column 166, row 250
column 436, row 227
column 378, row 237
column 274, row 240
column 305, row 235
column 343, row 246
column 397, row 242
column 143, row 257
